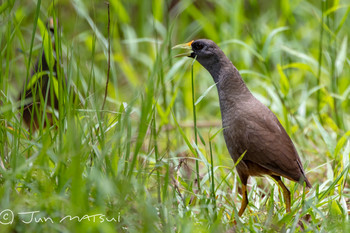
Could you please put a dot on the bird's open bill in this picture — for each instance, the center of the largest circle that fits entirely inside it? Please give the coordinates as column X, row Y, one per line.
column 186, row 46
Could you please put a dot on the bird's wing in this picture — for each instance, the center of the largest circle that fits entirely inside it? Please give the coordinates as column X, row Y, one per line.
column 269, row 145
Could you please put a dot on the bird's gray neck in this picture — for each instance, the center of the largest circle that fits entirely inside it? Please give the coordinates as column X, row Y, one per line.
column 230, row 85
column 231, row 88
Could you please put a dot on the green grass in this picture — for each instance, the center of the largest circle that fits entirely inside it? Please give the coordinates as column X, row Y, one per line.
column 139, row 159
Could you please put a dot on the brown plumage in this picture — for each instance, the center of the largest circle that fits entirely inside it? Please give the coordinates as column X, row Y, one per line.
column 249, row 126
column 32, row 111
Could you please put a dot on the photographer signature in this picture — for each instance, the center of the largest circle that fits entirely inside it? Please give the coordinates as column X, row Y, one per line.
column 7, row 217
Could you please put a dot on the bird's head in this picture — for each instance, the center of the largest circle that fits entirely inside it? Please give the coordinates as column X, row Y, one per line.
column 206, row 52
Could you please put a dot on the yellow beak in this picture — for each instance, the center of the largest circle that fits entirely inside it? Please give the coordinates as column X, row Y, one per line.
column 186, row 46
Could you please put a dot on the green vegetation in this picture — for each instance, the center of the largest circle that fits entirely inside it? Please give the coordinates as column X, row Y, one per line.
column 137, row 160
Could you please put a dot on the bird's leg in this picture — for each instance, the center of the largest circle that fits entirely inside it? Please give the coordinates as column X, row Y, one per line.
column 285, row 191
column 286, row 195
column 244, row 200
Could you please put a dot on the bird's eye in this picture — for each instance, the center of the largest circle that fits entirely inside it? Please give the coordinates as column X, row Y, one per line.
column 197, row 46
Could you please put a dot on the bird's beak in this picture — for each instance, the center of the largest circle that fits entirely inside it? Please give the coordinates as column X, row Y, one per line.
column 186, row 46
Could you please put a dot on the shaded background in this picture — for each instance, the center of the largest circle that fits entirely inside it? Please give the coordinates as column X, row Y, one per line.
column 133, row 159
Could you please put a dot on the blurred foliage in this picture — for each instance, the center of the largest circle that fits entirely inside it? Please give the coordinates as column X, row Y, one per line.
column 134, row 160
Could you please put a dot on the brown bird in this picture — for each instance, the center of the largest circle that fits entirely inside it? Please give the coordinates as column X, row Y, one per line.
column 38, row 92
column 250, row 129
